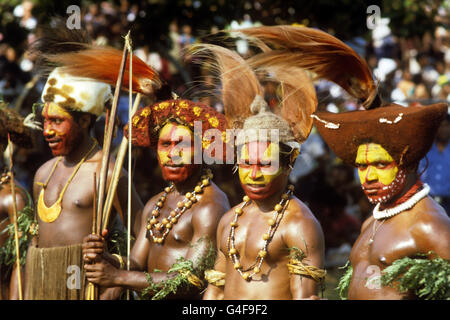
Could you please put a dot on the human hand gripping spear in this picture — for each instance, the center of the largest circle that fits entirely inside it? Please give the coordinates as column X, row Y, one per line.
column 102, row 63
column 92, row 293
column 16, row 234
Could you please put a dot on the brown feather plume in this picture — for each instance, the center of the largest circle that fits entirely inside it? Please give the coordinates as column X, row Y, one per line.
column 298, row 97
column 240, row 85
column 317, row 51
column 103, row 64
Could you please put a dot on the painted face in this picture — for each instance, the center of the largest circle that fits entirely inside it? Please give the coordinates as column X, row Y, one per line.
column 259, row 169
column 60, row 129
column 176, row 152
column 381, row 178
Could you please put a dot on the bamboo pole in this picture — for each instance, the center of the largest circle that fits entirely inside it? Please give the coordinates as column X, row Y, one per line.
column 16, row 229
column 108, row 140
column 117, row 168
column 129, row 162
column 92, row 289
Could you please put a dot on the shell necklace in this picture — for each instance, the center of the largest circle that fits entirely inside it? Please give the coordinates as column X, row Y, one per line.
column 166, row 224
column 273, row 223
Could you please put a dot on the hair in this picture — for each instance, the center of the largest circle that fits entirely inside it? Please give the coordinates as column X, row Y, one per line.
column 78, row 114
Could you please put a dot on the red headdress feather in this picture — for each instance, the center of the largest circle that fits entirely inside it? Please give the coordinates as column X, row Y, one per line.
column 103, row 64
column 316, row 51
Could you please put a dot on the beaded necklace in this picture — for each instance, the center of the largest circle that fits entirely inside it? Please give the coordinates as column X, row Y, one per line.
column 273, row 223
column 166, row 224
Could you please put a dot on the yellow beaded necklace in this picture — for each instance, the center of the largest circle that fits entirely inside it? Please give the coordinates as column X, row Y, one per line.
column 50, row 214
column 267, row 237
column 166, row 224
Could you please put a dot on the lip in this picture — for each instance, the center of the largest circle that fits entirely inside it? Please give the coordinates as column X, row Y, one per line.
column 53, row 143
column 371, row 191
column 256, row 187
column 173, row 166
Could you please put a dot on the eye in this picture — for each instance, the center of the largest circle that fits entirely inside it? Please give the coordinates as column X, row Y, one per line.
column 382, row 165
column 361, row 166
column 164, row 143
column 57, row 121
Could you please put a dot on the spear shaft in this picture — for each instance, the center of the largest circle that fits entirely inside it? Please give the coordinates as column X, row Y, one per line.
column 16, row 229
column 108, row 141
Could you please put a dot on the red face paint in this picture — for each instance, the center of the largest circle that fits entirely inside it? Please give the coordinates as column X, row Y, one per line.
column 259, row 170
column 176, row 153
column 60, row 129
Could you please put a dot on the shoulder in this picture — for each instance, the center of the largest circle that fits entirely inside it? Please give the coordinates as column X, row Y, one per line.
column 428, row 214
column 45, row 168
column 299, row 214
column 213, row 201
column 151, row 203
column 300, row 223
column 430, row 225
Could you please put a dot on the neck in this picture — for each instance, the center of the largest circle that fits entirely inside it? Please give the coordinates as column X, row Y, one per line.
column 189, row 184
column 80, row 150
column 269, row 203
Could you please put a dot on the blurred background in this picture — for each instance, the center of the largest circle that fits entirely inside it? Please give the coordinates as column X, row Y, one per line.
column 406, row 44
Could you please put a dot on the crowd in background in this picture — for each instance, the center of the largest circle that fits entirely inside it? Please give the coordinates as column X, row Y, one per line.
column 410, row 71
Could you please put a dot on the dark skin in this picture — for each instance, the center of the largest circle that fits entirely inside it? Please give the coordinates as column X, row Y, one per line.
column 423, row 228
column 6, row 217
column 184, row 240
column 75, row 220
column 298, row 228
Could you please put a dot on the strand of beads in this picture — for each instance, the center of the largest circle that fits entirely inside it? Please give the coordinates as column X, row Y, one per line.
column 166, row 224
column 267, row 237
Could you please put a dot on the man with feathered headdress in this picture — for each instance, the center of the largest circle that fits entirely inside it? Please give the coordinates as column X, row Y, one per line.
column 403, row 250
column 64, row 186
column 178, row 231
column 270, row 246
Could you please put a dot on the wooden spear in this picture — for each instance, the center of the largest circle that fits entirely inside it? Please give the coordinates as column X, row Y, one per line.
column 117, row 168
column 16, row 228
column 92, row 289
column 108, row 140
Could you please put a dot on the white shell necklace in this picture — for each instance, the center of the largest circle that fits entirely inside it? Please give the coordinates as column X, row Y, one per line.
column 408, row 204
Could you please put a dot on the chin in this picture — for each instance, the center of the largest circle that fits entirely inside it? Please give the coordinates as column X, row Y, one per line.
column 59, row 152
column 175, row 176
column 259, row 193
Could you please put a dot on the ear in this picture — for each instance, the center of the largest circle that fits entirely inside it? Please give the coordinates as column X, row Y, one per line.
column 84, row 121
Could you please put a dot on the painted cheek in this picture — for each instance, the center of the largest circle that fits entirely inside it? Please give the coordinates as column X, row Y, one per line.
column 270, row 176
column 362, row 175
column 387, row 175
column 244, row 172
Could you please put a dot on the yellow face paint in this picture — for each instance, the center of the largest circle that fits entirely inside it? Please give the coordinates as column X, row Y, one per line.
column 60, row 130
column 259, row 163
column 176, row 152
column 175, row 145
column 53, row 109
column 375, row 164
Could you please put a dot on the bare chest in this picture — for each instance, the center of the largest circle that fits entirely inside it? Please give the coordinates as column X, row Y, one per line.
column 248, row 237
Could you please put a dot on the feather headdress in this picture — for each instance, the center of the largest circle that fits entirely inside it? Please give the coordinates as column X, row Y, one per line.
column 317, row 51
column 103, row 64
column 394, row 127
column 239, row 82
column 71, row 51
column 242, row 91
